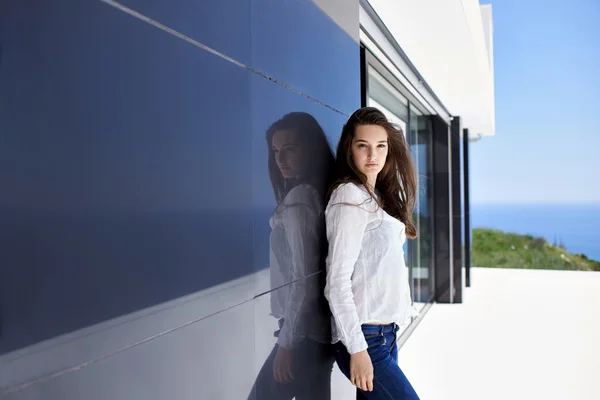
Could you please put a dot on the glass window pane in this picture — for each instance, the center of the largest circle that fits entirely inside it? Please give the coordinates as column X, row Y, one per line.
column 421, row 249
column 382, row 92
column 389, row 114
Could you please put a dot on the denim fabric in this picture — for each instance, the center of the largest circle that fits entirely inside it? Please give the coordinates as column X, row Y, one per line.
column 389, row 382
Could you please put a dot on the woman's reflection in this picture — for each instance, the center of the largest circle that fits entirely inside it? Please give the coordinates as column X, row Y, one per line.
column 300, row 165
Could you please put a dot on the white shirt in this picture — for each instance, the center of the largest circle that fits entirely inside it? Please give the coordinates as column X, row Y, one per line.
column 297, row 234
column 367, row 279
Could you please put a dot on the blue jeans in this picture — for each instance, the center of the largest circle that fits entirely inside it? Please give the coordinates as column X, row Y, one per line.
column 389, row 382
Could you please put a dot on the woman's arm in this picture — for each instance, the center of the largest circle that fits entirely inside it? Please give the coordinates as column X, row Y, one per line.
column 346, row 221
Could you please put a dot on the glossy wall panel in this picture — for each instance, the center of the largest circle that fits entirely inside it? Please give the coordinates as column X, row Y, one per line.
column 288, row 210
column 76, row 349
column 222, row 25
column 210, row 359
column 140, row 256
column 294, row 42
column 125, row 179
column 304, row 334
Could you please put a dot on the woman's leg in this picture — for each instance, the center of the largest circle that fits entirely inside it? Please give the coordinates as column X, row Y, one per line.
column 389, row 382
column 342, row 359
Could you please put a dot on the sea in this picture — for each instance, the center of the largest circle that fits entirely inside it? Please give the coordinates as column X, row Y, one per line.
column 576, row 226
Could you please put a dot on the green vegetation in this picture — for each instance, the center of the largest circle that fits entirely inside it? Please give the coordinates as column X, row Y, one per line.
column 496, row 249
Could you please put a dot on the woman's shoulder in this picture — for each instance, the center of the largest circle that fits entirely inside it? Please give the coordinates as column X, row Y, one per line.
column 349, row 192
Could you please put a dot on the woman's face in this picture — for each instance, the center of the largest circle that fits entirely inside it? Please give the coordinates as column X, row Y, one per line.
column 289, row 153
column 370, row 149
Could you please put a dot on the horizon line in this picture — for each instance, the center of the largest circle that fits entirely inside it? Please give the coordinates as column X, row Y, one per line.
column 590, row 203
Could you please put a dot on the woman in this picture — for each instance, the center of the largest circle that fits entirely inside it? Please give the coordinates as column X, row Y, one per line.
column 368, row 217
column 300, row 165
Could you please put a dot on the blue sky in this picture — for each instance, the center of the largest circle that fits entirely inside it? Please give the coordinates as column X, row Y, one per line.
column 547, row 82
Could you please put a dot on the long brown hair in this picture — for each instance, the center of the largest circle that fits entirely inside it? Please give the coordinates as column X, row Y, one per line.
column 396, row 183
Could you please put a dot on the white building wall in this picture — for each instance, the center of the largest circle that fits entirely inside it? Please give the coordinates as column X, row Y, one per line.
column 343, row 12
column 450, row 44
column 488, row 30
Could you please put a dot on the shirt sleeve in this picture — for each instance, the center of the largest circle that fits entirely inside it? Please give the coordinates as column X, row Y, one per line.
column 346, row 221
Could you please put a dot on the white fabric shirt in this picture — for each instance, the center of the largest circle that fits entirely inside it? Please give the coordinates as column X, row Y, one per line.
column 367, row 279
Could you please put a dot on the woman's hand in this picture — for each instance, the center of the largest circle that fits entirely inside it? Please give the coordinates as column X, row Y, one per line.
column 361, row 371
column 282, row 365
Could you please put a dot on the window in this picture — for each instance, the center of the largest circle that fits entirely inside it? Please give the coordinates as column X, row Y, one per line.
column 386, row 98
column 421, row 249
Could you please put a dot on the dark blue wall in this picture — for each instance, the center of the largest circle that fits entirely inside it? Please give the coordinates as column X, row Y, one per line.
column 134, row 215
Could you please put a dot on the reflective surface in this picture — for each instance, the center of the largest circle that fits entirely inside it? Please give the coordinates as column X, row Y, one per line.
column 316, row 58
column 292, row 162
column 193, row 362
column 109, row 207
column 153, row 227
column 293, row 351
column 222, row 25
column 316, row 126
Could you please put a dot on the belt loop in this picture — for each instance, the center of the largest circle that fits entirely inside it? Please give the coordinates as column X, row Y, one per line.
column 382, row 334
